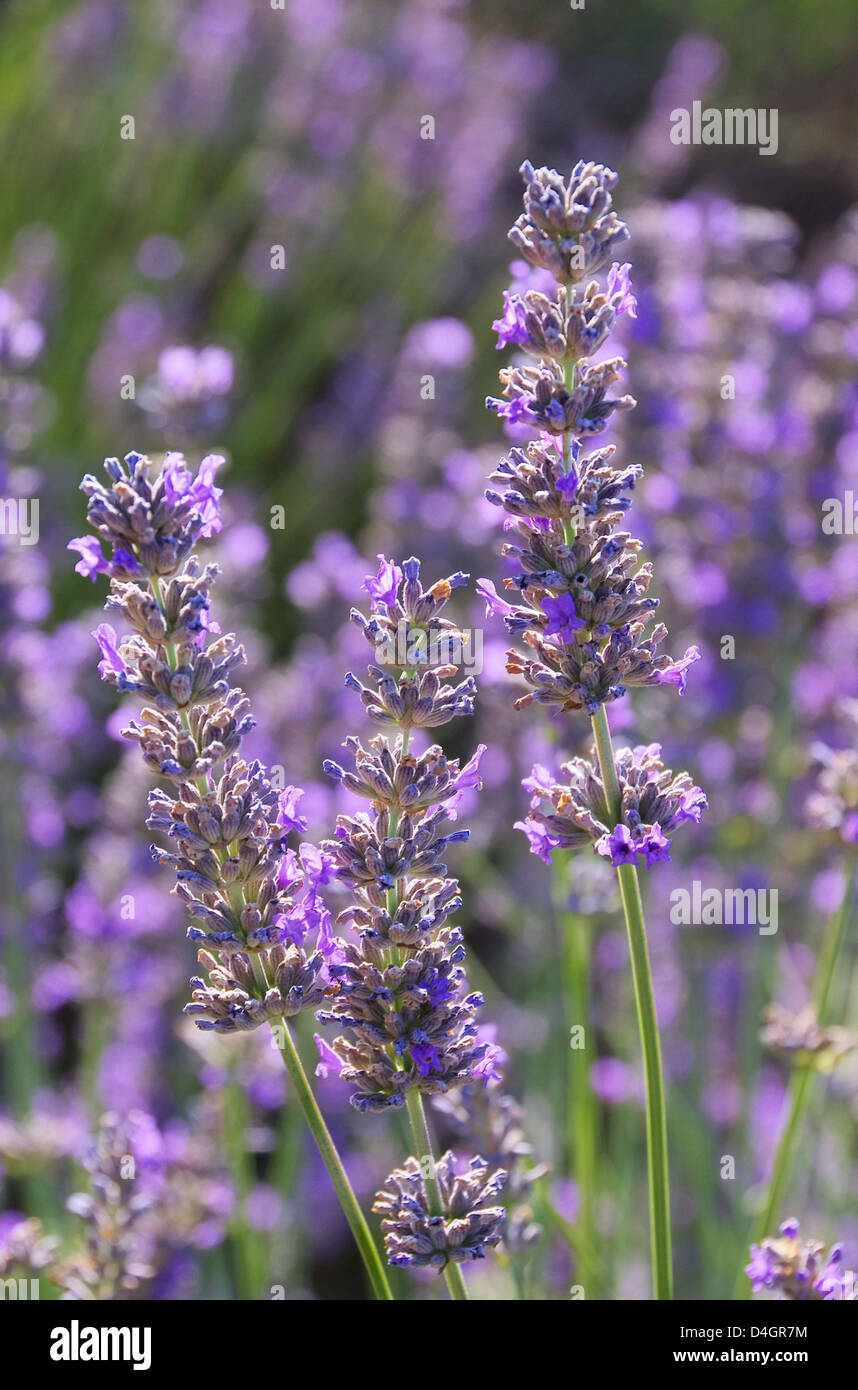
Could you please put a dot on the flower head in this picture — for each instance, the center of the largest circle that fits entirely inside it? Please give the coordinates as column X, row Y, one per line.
column 470, row 1221
column 569, row 226
column 150, row 518
column 571, row 813
column 798, row 1269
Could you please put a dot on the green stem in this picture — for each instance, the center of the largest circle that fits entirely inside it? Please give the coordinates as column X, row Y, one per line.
column 332, row 1161
column 250, row 1276
column 581, row 1107
column 799, row 1090
column 422, row 1151
column 656, row 1114
column 831, row 948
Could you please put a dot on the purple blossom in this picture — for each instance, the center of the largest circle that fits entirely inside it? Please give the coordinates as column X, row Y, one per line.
column 541, row 842
column 495, row 605
column 288, row 874
column 511, row 328
column 318, row 866
column 516, row 411
column 200, row 491
column 676, row 673
column 563, row 621
column 487, row 1069
column 619, row 289
column 654, row 846
column 287, row 808
column 618, row 846
column 384, row 586
column 329, row 1063
column 799, row 1269
column 540, row 781
column 692, row 804
column 425, row 1058
column 469, row 776
column 92, row 561
column 108, row 641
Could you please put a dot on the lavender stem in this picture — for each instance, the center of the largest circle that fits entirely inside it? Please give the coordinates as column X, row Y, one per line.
column 576, row 942
column 656, row 1114
column 332, row 1161
column 423, row 1149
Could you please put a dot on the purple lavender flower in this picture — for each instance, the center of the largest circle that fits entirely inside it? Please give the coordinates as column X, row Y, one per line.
column 385, row 586
column 652, row 801
column 575, row 560
column 469, row 1226
column 148, row 1204
column 487, row 1120
column 562, row 617
column 619, row 290
column 798, row 1269
column 400, row 992
column 224, row 821
column 151, row 523
column 569, row 228
column 585, row 611
column 512, row 326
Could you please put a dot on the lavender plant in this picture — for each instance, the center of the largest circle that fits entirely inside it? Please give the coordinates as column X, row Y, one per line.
column 584, row 610
column 409, row 1020
column 252, row 910
column 153, row 1197
column 150, row 1200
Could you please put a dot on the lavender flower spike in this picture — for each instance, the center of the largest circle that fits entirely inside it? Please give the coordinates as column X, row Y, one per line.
column 408, row 1020
column 222, row 817
column 225, row 822
column 582, row 606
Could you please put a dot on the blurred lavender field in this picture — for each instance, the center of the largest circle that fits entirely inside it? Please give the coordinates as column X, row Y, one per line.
column 291, row 257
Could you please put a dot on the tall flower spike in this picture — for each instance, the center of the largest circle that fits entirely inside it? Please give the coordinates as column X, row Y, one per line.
column 227, row 825
column 408, row 1018
column 252, row 911
column 581, row 602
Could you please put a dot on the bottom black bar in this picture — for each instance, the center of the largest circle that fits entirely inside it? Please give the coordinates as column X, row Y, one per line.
column 150, row 1337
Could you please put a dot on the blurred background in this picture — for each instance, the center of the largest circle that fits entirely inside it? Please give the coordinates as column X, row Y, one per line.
column 229, row 227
